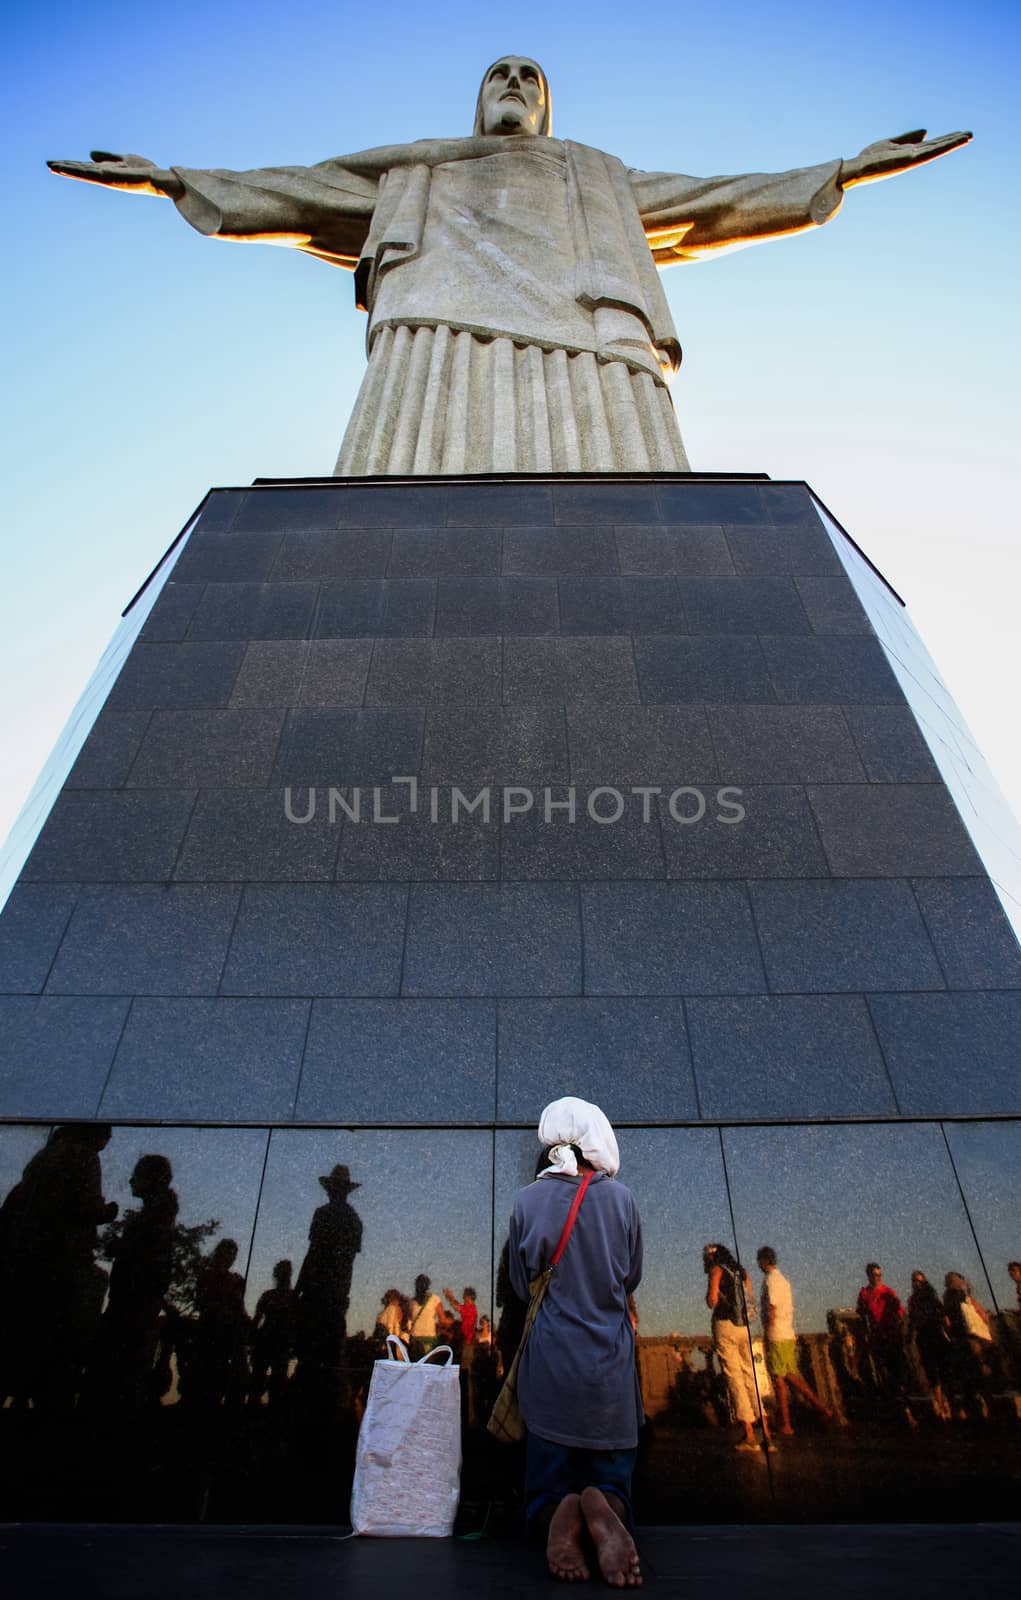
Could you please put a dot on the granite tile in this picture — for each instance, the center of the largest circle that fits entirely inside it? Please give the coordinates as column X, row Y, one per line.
column 55, row 1053
column 840, row 936
column 456, row 552
column 891, row 744
column 208, row 1060
column 479, row 939
column 219, row 509
column 205, row 749
column 788, row 1056
column 794, row 549
column 893, row 830
column 558, row 552
column 832, row 604
column 339, row 746
column 533, row 848
column 322, row 554
column 711, row 502
column 742, row 605
column 775, row 838
column 830, row 671
column 608, row 501
column 395, row 505
column 691, row 671
column 499, row 504
column 466, row 606
column 976, row 944
column 175, row 606
column 272, row 509
column 685, row 550
column 783, row 744
column 619, row 605
column 106, row 756
column 790, row 505
column 246, row 836
column 640, row 744
column 378, row 1060
column 413, row 672
column 562, row 670
column 271, row 673
column 226, row 557
column 309, row 939
column 442, row 838
column 670, row 939
column 367, row 607
column 951, row 1054
column 630, row 1057
column 524, row 745
column 111, row 837
column 335, row 672
column 176, row 675
column 254, row 611
column 32, row 925
column 131, row 939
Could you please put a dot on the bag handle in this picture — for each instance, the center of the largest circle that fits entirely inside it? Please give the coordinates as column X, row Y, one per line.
column 437, row 1350
column 571, row 1219
column 397, row 1350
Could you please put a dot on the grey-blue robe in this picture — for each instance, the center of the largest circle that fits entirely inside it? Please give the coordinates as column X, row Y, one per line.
column 577, row 1383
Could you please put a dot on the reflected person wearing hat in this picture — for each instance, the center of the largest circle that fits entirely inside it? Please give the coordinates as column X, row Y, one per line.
column 323, row 1289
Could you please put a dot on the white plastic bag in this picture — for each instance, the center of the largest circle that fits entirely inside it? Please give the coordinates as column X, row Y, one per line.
column 408, row 1464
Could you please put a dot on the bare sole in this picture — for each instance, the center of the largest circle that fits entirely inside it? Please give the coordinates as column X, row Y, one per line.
column 615, row 1548
column 564, row 1555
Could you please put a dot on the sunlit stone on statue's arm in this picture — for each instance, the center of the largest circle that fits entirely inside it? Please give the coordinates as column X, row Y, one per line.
column 687, row 218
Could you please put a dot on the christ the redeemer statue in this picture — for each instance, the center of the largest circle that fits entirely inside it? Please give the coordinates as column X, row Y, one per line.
column 516, row 318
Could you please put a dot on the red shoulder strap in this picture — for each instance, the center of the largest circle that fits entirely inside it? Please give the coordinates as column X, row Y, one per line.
column 571, row 1217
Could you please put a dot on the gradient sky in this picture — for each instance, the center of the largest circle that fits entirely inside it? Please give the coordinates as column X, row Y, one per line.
column 876, row 358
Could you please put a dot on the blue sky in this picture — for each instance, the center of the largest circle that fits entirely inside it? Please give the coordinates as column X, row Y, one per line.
column 876, row 357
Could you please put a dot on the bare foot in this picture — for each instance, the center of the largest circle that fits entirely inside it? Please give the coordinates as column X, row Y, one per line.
column 563, row 1547
column 615, row 1548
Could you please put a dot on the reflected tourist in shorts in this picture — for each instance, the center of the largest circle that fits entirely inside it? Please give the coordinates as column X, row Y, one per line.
column 53, row 1287
column 973, row 1352
column 272, row 1338
column 424, row 1318
column 217, row 1370
column 729, row 1297
column 777, row 1302
column 883, row 1317
column 927, row 1326
column 142, row 1250
column 323, row 1289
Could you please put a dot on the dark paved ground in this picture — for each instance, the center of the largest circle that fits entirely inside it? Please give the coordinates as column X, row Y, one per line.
column 919, row 1562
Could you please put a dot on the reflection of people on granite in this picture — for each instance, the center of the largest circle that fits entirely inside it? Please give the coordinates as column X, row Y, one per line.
column 927, row 1326
column 973, row 1357
column 141, row 1246
column 883, row 1317
column 577, row 1383
column 218, row 1351
column 424, row 1321
column 323, row 1289
column 729, row 1297
column 271, row 1338
column 393, row 1318
column 468, row 1311
column 53, row 1288
column 781, row 1342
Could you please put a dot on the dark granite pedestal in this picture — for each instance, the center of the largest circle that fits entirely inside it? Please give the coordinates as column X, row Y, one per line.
column 413, row 806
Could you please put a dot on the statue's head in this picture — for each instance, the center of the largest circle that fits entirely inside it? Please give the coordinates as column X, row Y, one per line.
column 514, row 98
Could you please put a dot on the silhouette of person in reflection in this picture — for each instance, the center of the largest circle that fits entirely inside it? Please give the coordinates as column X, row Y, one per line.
column 427, row 1318
column 973, row 1358
column 217, row 1366
column 729, row 1298
column 883, row 1318
column 392, row 1318
column 927, row 1326
column 272, row 1338
column 142, row 1250
column 53, row 1287
column 781, row 1342
column 323, row 1289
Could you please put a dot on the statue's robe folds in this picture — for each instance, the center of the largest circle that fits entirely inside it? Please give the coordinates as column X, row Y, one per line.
column 516, row 318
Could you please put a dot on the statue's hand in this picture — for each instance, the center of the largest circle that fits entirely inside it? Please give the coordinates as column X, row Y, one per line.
column 136, row 173
column 887, row 157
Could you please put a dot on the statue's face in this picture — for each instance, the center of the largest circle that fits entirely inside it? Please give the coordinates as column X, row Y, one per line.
column 513, row 97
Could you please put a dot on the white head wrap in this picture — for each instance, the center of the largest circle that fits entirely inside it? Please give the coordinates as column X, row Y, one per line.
column 570, row 1121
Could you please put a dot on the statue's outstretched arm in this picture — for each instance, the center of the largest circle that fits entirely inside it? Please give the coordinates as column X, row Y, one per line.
column 887, row 157
column 135, row 173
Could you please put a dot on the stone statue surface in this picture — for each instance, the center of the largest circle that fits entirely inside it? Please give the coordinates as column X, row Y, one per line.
column 516, row 321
